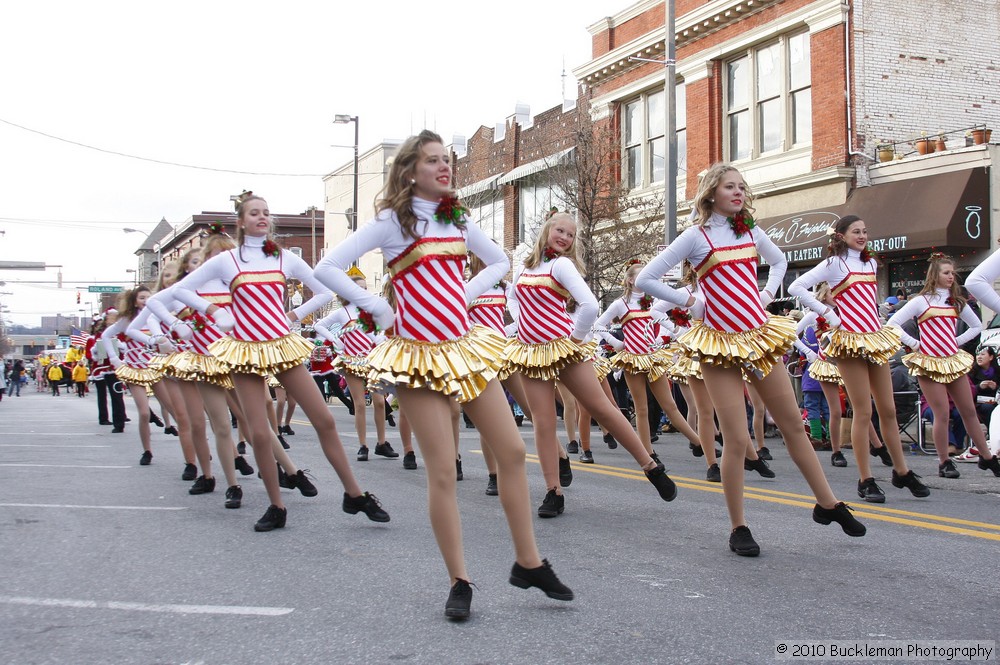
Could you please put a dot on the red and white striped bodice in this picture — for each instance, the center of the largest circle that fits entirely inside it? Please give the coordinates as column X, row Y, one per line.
column 541, row 301
column 258, row 305
column 137, row 355
column 204, row 329
column 356, row 341
column 639, row 331
column 488, row 309
column 857, row 302
column 937, row 330
column 427, row 279
column 728, row 279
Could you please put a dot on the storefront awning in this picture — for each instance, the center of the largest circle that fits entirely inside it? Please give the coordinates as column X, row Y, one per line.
column 479, row 187
column 524, row 170
column 944, row 210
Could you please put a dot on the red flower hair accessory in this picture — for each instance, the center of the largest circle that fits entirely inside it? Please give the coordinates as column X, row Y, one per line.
column 646, row 302
column 366, row 321
column 271, row 248
column 822, row 325
column 450, row 211
column 550, row 254
column 680, row 317
column 741, row 223
column 216, row 228
column 867, row 255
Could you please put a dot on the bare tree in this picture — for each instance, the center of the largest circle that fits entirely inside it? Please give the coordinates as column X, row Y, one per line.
column 614, row 225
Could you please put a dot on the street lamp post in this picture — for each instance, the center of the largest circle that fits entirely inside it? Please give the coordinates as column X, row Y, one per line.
column 343, row 120
column 131, row 230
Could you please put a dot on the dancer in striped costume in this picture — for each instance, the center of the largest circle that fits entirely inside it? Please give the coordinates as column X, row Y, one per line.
column 549, row 346
column 737, row 340
column 133, row 367
column 489, row 310
column 262, row 343
column 437, row 355
column 686, row 371
column 642, row 364
column 354, row 331
column 861, row 347
column 158, row 315
column 938, row 362
column 198, row 369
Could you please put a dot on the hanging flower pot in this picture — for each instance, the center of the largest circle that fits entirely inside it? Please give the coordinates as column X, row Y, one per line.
column 940, row 145
column 886, row 153
column 924, row 146
column 979, row 136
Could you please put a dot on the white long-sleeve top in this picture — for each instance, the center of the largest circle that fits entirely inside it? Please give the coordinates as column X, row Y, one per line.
column 692, row 245
column 980, row 282
column 439, row 285
column 833, row 271
column 937, row 340
column 135, row 352
column 347, row 341
column 226, row 266
column 537, row 316
column 807, row 321
column 637, row 340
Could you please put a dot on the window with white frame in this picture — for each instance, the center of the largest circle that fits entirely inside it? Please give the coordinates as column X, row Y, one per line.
column 536, row 198
column 643, row 135
column 297, row 251
column 769, row 98
column 488, row 215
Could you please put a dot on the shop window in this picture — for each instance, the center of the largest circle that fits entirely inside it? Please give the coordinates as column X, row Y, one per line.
column 768, row 98
column 644, row 137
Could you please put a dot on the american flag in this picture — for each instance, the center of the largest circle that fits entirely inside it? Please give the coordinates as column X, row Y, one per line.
column 77, row 337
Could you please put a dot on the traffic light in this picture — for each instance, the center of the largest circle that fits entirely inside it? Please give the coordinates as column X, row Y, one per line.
column 77, row 297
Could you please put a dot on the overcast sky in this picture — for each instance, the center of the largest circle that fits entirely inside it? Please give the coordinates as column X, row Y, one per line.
column 235, row 86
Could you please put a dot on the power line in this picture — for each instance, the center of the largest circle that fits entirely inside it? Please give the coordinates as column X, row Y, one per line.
column 168, row 163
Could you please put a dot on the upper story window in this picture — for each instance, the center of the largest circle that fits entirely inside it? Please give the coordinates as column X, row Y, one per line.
column 768, row 98
column 643, row 131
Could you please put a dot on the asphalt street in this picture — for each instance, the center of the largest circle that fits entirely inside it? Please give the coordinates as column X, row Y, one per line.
column 106, row 561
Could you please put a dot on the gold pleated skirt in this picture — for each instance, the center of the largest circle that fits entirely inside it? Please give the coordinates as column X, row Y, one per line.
column 461, row 367
column 191, row 366
column 825, row 371
column 941, row 370
column 602, row 367
column 753, row 351
column 262, row 358
column 544, row 361
column 682, row 366
column 654, row 365
column 875, row 347
column 353, row 365
column 138, row 377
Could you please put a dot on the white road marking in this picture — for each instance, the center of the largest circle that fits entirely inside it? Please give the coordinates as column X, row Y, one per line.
column 70, row 466
column 68, row 505
column 45, row 445
column 148, row 607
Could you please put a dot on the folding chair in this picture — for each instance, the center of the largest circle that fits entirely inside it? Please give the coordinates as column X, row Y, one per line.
column 912, row 417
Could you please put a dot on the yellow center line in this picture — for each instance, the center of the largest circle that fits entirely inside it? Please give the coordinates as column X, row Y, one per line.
column 903, row 517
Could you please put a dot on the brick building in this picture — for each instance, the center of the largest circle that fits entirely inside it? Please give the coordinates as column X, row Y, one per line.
column 500, row 172
column 798, row 94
